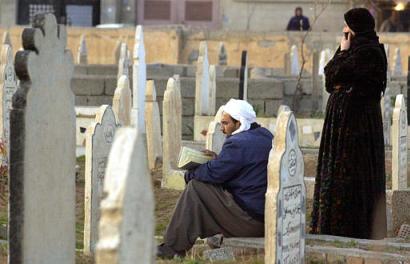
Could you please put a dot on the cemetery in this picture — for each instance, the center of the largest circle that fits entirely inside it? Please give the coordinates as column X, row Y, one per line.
column 92, row 129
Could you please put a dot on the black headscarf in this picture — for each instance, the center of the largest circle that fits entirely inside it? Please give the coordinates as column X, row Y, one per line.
column 361, row 22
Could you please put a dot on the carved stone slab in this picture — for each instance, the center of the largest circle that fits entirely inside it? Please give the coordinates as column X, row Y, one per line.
column 99, row 139
column 202, row 81
column 121, row 102
column 285, row 209
column 152, row 126
column 42, row 143
column 294, row 61
column 123, row 62
column 82, row 55
column 399, row 144
column 215, row 138
column 126, row 228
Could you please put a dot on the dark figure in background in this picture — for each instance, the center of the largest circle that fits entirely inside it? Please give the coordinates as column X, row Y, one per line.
column 350, row 189
column 298, row 22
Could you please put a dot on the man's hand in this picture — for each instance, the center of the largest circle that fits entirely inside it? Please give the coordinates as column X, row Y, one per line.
column 345, row 43
column 209, row 153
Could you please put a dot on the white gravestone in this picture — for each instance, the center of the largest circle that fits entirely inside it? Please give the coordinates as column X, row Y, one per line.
column 294, row 61
column 152, row 126
column 212, row 90
column 171, row 125
column 397, row 65
column 99, row 139
column 126, row 227
column 325, row 57
column 123, row 63
column 285, row 208
column 121, row 102
column 117, row 50
column 139, row 74
column 6, row 39
column 214, row 137
column 82, row 51
column 399, row 144
column 42, row 143
column 8, row 86
column 202, row 81
column 387, row 111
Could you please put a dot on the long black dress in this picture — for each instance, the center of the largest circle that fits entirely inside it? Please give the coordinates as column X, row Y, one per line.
column 350, row 192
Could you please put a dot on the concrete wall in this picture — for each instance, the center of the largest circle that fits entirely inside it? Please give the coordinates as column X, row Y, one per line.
column 8, row 13
column 273, row 15
column 173, row 45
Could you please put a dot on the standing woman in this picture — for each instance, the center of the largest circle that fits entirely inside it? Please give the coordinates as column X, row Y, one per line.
column 350, row 189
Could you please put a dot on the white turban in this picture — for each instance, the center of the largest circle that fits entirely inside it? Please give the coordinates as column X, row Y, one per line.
column 242, row 111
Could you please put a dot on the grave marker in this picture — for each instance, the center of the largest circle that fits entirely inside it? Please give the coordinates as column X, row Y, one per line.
column 99, row 139
column 212, row 89
column 397, row 65
column 294, row 61
column 152, row 125
column 285, row 206
column 171, row 125
column 222, row 55
column 123, row 63
column 121, row 102
column 82, row 51
column 42, row 143
column 202, row 81
column 243, row 77
column 387, row 110
column 139, row 81
column 214, row 137
column 126, row 227
column 6, row 39
column 399, row 144
column 8, row 85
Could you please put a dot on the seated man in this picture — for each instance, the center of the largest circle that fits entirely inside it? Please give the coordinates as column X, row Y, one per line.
column 227, row 194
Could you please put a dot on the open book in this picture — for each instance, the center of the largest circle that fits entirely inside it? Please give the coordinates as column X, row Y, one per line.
column 191, row 158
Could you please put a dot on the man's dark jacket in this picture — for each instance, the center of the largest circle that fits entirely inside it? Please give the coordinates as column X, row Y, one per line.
column 241, row 168
column 298, row 23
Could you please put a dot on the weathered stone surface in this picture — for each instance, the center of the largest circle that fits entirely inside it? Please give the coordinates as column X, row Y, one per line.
column 93, row 101
column 42, row 142
column 139, row 81
column 397, row 65
column 152, row 126
column 126, row 228
column 265, row 89
column 243, row 76
column 121, row 103
column 99, row 139
column 123, row 63
column 387, row 112
column 220, row 254
column 6, row 39
column 399, row 145
column 8, row 86
column 222, row 55
column 214, row 137
column 285, row 209
column 294, row 61
column 88, row 85
column 202, row 81
column 172, row 123
column 212, row 89
column 400, row 212
column 82, row 51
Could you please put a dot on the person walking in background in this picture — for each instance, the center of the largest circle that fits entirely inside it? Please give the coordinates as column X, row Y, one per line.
column 350, row 184
column 299, row 22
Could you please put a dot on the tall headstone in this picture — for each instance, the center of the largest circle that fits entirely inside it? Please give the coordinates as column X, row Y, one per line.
column 152, row 125
column 121, row 102
column 222, row 55
column 214, row 137
column 8, row 86
column 387, row 52
column 82, row 51
column 387, row 112
column 139, row 81
column 212, row 90
column 99, row 139
column 325, row 56
column 6, row 39
column 117, row 51
column 171, row 125
column 399, row 144
column 316, row 84
column 243, row 76
column 202, row 81
column 42, row 143
column 126, row 227
column 397, row 65
column 294, row 61
column 123, row 63
column 285, row 207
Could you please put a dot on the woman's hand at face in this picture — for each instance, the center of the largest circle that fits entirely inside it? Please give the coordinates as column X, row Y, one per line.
column 345, row 43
